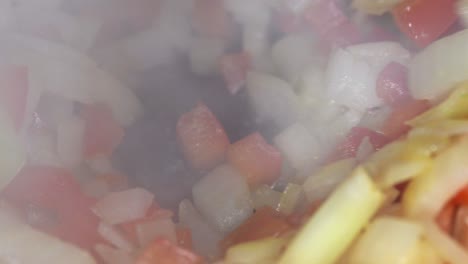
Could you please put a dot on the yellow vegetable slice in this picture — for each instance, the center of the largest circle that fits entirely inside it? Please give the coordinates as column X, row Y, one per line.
column 327, row 235
column 428, row 192
column 256, row 252
column 449, row 250
column 388, row 240
column 290, row 198
column 454, row 107
column 322, row 183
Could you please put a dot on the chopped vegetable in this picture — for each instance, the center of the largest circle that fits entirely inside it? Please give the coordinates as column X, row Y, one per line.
column 395, row 125
column 113, row 236
column 205, row 237
column 398, row 242
column 357, row 199
column 392, row 84
column 256, row 252
column 210, row 18
column 255, row 159
column 164, row 252
column 416, row 19
column 223, row 198
column 290, row 199
column 102, row 133
column 234, row 68
column 22, row 244
column 54, row 194
column 448, row 249
column 264, row 223
column 434, row 71
column 320, row 184
column 124, row 206
column 14, row 83
column 298, row 146
column 202, row 138
column 149, row 231
column 265, row 196
column 428, row 192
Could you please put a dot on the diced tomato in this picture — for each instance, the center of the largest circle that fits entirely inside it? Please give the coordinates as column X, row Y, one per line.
column 462, row 197
column 184, row 237
column 460, row 229
column 349, row 146
column 202, row 138
column 330, row 22
column 155, row 212
column 210, row 18
column 162, row 251
column 445, row 219
column 324, row 16
column 102, row 132
column 264, row 223
column 234, row 68
column 255, row 159
column 395, row 125
column 53, row 193
column 14, row 89
column 392, row 84
column 424, row 21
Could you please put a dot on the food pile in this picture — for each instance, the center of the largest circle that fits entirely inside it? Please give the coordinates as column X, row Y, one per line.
column 367, row 103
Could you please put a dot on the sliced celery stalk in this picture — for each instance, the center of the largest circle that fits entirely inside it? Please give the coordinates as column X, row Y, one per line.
column 327, row 235
column 319, row 185
column 388, row 240
column 453, row 107
column 429, row 192
column 290, row 198
column 263, row 251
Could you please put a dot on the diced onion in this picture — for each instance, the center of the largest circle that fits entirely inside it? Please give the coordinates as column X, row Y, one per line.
column 292, row 55
column 299, row 146
column 13, row 155
column 272, row 99
column 124, row 206
column 223, row 198
column 20, row 243
column 158, row 228
column 353, row 71
column 113, row 236
column 70, row 134
column 62, row 70
column 205, row 237
column 435, row 70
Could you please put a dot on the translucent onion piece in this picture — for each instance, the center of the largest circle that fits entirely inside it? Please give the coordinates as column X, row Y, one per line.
column 290, row 198
column 113, row 256
column 112, row 235
column 70, row 134
column 265, row 196
column 159, row 228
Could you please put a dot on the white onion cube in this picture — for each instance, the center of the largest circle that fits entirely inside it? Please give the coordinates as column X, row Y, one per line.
column 70, row 135
column 205, row 237
column 159, row 228
column 124, row 206
column 273, row 99
column 298, row 145
column 223, row 198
